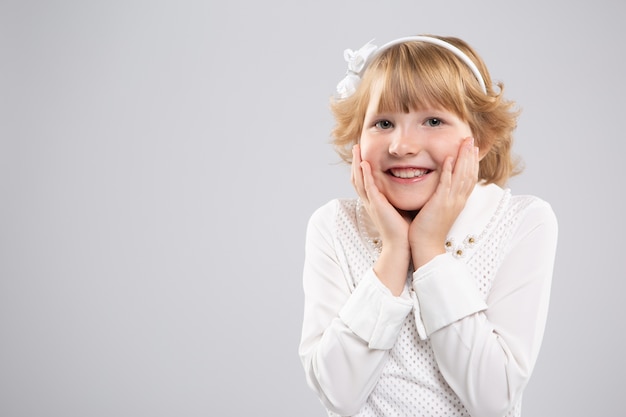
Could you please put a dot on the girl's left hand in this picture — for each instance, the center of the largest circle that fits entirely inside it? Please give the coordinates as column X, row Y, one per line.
column 429, row 229
column 390, row 224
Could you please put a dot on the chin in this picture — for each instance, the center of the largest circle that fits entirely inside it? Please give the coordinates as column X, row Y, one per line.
column 407, row 201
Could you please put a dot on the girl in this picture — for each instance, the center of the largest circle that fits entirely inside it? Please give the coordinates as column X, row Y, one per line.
column 427, row 295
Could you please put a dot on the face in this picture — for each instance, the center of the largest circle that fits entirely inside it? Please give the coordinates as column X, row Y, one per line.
column 407, row 151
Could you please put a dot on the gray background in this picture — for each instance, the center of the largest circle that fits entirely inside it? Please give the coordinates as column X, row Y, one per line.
column 159, row 161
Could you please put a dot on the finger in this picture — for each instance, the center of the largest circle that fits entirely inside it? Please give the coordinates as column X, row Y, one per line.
column 476, row 162
column 357, row 172
column 377, row 203
column 371, row 189
column 465, row 169
column 368, row 180
column 472, row 161
column 355, row 162
column 445, row 181
column 464, row 156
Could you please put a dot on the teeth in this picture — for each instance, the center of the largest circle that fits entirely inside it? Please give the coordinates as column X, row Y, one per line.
column 408, row 172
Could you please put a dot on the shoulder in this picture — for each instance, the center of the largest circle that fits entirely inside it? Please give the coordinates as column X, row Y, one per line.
column 530, row 206
column 532, row 215
column 328, row 224
column 329, row 212
column 325, row 219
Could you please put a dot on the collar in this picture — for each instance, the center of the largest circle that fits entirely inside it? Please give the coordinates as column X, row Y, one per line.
column 482, row 210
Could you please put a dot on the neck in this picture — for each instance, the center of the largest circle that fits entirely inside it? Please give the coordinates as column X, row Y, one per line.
column 408, row 215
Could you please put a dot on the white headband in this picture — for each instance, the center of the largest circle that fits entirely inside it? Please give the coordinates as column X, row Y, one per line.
column 358, row 61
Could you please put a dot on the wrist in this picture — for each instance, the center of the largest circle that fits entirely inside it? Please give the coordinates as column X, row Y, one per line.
column 396, row 247
column 425, row 255
column 392, row 266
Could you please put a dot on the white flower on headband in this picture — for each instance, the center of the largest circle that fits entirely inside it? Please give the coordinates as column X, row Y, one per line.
column 356, row 62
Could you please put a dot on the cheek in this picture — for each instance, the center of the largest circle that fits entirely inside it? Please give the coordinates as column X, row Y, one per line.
column 446, row 147
column 451, row 143
column 369, row 150
column 366, row 153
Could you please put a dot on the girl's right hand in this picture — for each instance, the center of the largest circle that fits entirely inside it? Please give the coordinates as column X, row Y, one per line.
column 395, row 256
column 389, row 223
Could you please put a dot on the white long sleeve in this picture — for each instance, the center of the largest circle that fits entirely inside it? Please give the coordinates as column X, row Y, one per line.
column 483, row 314
column 487, row 358
column 346, row 332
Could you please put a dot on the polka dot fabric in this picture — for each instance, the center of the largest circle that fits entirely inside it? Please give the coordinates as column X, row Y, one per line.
column 411, row 384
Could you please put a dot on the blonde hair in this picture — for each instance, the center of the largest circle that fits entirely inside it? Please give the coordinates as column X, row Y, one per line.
column 416, row 75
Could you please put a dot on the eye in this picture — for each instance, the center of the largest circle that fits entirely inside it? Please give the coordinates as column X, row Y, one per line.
column 434, row 122
column 384, row 124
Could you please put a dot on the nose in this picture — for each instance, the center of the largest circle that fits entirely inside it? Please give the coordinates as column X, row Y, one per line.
column 404, row 143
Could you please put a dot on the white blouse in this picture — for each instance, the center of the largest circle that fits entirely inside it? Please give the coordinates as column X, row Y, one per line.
column 463, row 337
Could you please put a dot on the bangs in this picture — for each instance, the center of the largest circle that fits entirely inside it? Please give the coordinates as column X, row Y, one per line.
column 421, row 77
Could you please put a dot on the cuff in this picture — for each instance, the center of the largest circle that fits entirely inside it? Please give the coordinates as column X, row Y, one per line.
column 374, row 314
column 446, row 292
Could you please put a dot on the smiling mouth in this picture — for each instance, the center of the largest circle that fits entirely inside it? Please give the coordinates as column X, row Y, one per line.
column 408, row 172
